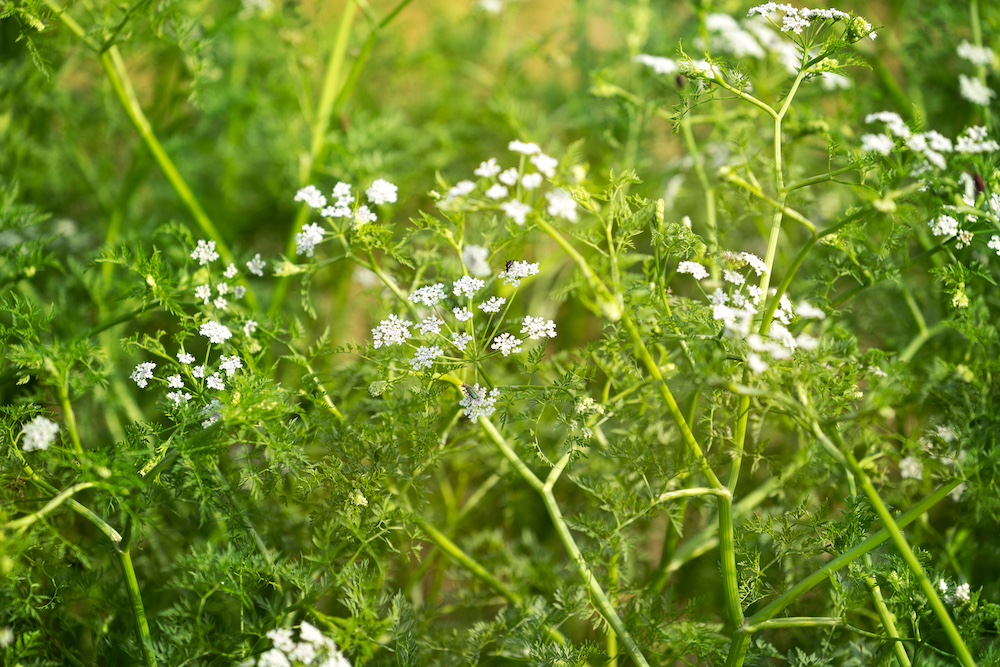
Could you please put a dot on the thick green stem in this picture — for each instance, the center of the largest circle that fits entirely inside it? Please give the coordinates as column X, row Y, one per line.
column 138, row 611
column 598, row 596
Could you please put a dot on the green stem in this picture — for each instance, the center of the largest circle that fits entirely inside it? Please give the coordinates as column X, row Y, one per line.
column 741, row 639
column 899, row 540
column 25, row 521
column 69, row 415
column 598, row 596
column 138, row 611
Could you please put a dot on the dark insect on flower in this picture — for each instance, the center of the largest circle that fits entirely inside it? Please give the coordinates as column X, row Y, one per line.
column 980, row 183
column 471, row 393
column 509, row 264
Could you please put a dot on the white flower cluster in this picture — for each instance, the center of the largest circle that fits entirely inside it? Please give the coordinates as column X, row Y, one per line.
column 344, row 205
column 517, row 271
column 477, row 402
column 312, row 648
column 974, row 89
column 476, row 260
column 498, row 184
column 737, row 307
column 38, row 434
column 960, row 595
column 931, row 145
column 795, row 20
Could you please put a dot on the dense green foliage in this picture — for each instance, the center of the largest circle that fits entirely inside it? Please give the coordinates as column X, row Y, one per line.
column 755, row 422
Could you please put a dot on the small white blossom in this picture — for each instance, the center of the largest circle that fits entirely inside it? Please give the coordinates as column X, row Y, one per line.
column 975, row 90
column 272, row 657
column 239, row 292
column 809, row 312
column 488, row 169
column 249, row 327
column 517, row 271
column 467, row 287
column 545, row 164
column 199, row 371
column 391, row 331
column 311, row 196
column 962, row 593
column 893, row 122
column 497, row 191
column 981, row 56
column 462, row 314
column 507, row 344
column 696, row 270
column 424, row 357
column 523, row 148
column 755, row 262
column 430, row 325
column 304, row 653
column 216, row 333
column 363, row 216
column 461, row 189
column 430, row 296
column 974, row 141
column 175, row 382
column 178, row 397
column 538, row 327
column 222, row 288
column 143, row 373
column 382, row 192
column 911, row 468
column 256, row 266
column 516, row 210
column 38, row 434
column 230, row 364
column 733, row 277
column 476, row 260
column 755, row 363
column 203, row 293
column 231, row 272
column 185, row 358
column 531, row 181
column 477, row 402
column 215, row 382
column 509, row 177
column 306, row 240
column 561, row 205
column 944, row 225
column 205, row 253
column 877, row 143
column 493, row 305
column 657, row 64
column 460, row 340
column 994, row 244
column 220, row 303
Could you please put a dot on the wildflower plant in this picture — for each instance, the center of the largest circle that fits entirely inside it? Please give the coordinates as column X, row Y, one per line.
column 683, row 355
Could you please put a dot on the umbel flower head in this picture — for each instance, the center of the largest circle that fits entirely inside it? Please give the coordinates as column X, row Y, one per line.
column 39, row 433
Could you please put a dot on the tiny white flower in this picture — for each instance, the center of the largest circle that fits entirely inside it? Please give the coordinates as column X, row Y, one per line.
column 509, row 177
column 462, row 314
column 962, row 593
column 476, row 260
column 424, row 357
column 430, row 296
column 230, row 364
column 545, row 164
column 178, row 397
column 220, row 303
column 658, row 64
column 488, row 169
column 911, row 468
column 467, row 287
column 249, row 327
column 975, row 90
column 205, row 253
column 877, row 143
column 311, row 196
column 531, row 181
column 430, row 325
column 38, row 434
column 382, row 192
column 538, row 327
column 363, row 216
column 497, row 191
column 256, row 266
column 733, row 277
column 477, row 402
column 185, row 358
column 493, row 305
column 215, row 382
column 981, row 56
column 461, row 189
column 507, row 344
column 994, row 244
column 755, row 363
column 239, row 292
column 809, row 312
column 143, row 373
column 523, row 148
column 561, row 205
column 696, row 270
column 231, row 272
column 460, row 340
column 516, row 211
column 307, row 239
column 216, row 333
column 203, row 293
column 391, row 331
column 199, row 371
column 175, row 382
column 222, row 288
column 517, row 271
